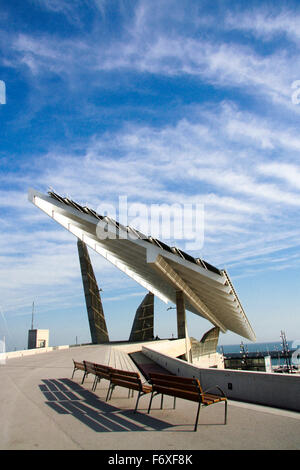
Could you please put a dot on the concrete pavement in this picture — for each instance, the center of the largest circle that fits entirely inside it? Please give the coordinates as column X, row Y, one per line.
column 42, row 408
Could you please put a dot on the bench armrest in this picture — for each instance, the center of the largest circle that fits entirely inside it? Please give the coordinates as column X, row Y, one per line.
column 212, row 388
column 146, row 382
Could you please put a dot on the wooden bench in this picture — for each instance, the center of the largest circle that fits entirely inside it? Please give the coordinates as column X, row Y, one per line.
column 127, row 379
column 186, row 388
column 101, row 372
column 89, row 368
column 78, row 366
column 98, row 370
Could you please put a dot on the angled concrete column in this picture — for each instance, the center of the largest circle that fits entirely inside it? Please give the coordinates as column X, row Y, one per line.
column 94, row 307
column 142, row 327
column 181, row 318
column 182, row 325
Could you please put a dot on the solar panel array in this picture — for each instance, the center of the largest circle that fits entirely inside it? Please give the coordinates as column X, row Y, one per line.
column 138, row 234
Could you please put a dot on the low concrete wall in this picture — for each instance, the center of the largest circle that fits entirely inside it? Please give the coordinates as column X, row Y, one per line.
column 135, row 346
column 172, row 348
column 30, row 352
column 209, row 360
column 270, row 389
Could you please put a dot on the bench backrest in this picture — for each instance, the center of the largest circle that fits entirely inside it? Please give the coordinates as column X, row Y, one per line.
column 176, row 386
column 89, row 367
column 126, row 379
column 78, row 365
column 102, row 371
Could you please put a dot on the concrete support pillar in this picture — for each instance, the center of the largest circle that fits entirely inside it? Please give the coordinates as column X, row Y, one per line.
column 181, row 318
column 142, row 328
column 94, row 307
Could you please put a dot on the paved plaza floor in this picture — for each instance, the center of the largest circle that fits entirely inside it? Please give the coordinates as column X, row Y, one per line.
column 43, row 408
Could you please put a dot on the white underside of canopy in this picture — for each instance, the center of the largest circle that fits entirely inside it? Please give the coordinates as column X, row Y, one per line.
column 207, row 293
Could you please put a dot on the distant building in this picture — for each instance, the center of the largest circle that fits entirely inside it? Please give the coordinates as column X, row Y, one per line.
column 38, row 339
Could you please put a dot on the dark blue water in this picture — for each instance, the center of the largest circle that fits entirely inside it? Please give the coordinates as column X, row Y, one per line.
column 254, row 347
column 258, row 347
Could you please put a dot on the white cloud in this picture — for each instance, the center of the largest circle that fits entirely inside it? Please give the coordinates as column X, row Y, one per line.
column 146, row 47
column 171, row 165
column 287, row 172
column 267, row 24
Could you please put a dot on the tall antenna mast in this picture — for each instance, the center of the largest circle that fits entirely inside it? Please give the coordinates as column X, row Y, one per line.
column 286, row 351
column 32, row 315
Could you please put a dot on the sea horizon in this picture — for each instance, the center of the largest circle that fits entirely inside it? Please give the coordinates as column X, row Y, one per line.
column 255, row 347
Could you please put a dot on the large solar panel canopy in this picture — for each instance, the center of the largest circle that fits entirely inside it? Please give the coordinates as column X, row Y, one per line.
column 159, row 268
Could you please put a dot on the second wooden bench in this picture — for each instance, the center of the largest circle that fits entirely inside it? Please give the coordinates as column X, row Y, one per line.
column 130, row 380
column 186, row 388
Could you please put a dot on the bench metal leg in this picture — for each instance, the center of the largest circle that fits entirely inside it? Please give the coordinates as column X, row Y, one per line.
column 73, row 372
column 150, row 403
column 197, row 417
column 96, row 381
column 161, row 402
column 137, row 401
column 110, row 392
column 93, row 386
column 84, row 376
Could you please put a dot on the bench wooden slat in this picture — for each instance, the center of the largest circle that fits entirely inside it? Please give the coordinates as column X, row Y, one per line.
column 77, row 366
column 176, row 392
column 127, row 373
column 127, row 384
column 172, row 378
column 180, row 386
column 89, row 367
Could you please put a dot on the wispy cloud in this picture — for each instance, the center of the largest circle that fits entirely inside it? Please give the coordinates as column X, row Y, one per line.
column 154, row 50
column 288, row 172
column 267, row 24
column 236, row 198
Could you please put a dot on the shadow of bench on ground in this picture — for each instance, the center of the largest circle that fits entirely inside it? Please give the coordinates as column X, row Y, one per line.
column 67, row 397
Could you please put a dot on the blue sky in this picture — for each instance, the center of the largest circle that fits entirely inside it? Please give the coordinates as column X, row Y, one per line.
column 164, row 102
